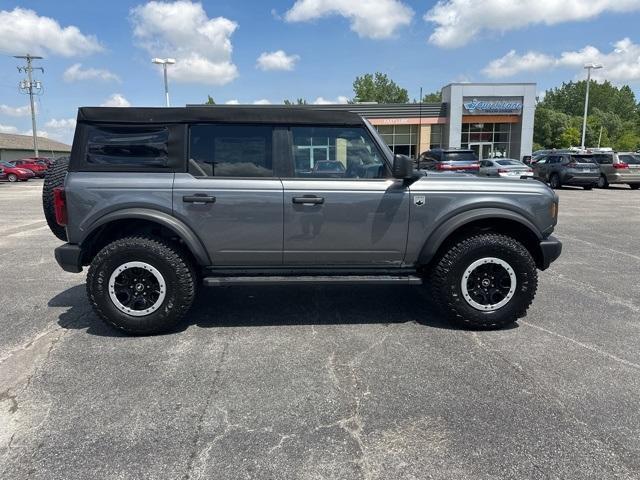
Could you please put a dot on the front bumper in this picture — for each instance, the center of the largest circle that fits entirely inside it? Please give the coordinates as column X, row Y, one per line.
column 69, row 257
column 551, row 248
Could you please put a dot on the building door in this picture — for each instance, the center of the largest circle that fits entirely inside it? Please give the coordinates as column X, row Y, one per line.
column 482, row 150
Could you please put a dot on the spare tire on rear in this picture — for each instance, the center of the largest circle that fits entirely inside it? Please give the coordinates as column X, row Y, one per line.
column 54, row 178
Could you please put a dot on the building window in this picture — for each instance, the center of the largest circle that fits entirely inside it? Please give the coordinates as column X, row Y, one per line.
column 401, row 139
column 437, row 136
column 496, row 134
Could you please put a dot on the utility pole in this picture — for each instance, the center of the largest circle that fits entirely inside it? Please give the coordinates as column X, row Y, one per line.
column 32, row 88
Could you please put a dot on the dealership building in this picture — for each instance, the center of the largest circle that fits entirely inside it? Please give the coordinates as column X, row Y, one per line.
column 493, row 119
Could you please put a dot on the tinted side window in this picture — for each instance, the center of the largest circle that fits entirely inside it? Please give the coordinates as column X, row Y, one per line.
column 336, row 152
column 231, row 151
column 128, row 146
column 604, row 159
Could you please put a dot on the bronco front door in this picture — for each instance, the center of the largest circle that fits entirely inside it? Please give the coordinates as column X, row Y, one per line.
column 341, row 206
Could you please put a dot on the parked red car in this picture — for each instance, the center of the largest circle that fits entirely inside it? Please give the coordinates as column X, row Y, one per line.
column 38, row 167
column 8, row 171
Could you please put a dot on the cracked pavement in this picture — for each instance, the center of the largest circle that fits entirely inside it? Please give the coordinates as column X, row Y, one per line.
column 326, row 383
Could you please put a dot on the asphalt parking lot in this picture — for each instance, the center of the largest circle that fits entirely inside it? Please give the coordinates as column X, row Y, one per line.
column 320, row 383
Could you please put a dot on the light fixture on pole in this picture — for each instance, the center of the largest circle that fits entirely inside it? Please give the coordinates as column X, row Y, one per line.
column 164, row 62
column 589, row 67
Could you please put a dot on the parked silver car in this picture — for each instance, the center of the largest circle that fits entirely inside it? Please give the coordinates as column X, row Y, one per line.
column 618, row 167
column 504, row 167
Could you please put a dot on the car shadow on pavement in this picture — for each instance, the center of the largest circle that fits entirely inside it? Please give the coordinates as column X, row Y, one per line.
column 277, row 305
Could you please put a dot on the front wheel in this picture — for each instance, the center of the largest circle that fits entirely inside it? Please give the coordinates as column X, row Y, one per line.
column 12, row 177
column 141, row 285
column 485, row 281
column 635, row 186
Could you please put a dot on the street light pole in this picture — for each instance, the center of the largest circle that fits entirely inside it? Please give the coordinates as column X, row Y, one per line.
column 164, row 62
column 589, row 67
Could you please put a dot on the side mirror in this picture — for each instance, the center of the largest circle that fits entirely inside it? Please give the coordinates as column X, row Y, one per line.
column 402, row 167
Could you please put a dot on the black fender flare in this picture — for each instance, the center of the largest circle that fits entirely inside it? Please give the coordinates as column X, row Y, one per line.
column 446, row 228
column 187, row 235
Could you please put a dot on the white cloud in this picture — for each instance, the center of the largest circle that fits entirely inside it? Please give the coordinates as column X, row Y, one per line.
column 116, row 100
column 76, row 73
column 61, row 124
column 457, row 22
column 369, row 18
column 22, row 111
column 8, row 129
column 41, row 133
column 622, row 64
column 23, row 30
column 277, row 60
column 62, row 129
column 232, row 102
column 323, row 101
column 183, row 30
column 262, row 101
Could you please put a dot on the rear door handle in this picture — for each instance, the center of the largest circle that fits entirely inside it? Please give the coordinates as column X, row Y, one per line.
column 310, row 200
column 199, row 198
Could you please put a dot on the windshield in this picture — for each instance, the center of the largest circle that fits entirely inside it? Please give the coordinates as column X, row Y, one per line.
column 459, row 157
column 508, row 162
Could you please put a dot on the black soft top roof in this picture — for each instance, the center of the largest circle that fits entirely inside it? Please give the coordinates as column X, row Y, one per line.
column 219, row 114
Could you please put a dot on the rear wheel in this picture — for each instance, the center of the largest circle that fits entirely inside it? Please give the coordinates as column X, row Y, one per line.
column 12, row 177
column 603, row 182
column 554, row 181
column 485, row 281
column 141, row 285
column 54, row 177
column 634, row 186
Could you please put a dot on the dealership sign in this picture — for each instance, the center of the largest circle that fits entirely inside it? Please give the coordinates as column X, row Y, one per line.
column 492, row 106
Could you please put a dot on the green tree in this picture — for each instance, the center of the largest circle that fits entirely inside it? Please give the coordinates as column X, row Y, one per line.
column 570, row 138
column 299, row 101
column 433, row 97
column 378, row 88
column 628, row 142
column 210, row 100
column 548, row 126
column 569, row 99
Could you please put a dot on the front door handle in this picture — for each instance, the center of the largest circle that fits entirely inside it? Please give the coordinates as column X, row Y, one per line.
column 199, row 198
column 310, row 200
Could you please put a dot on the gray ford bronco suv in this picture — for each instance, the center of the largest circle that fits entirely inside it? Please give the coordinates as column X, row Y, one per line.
column 160, row 201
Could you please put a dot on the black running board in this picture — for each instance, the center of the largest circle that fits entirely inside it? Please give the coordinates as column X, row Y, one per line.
column 314, row 280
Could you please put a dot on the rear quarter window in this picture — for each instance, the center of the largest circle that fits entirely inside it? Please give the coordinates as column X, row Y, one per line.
column 128, row 146
column 630, row 159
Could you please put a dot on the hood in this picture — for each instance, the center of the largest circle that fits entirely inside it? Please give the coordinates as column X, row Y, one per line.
column 471, row 183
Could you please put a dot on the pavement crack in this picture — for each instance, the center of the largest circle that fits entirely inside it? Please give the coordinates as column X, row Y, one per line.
column 200, row 422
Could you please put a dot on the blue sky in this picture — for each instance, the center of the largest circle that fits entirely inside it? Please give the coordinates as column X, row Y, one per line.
column 325, row 44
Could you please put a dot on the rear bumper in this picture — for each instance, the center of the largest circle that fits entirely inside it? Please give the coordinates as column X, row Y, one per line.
column 69, row 257
column 575, row 180
column 551, row 249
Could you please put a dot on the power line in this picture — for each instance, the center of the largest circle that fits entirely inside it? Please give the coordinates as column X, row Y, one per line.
column 31, row 87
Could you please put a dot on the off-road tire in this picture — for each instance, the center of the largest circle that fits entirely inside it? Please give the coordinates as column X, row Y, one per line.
column 173, row 265
column 447, row 272
column 54, row 178
column 554, row 181
column 634, row 186
column 603, row 182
